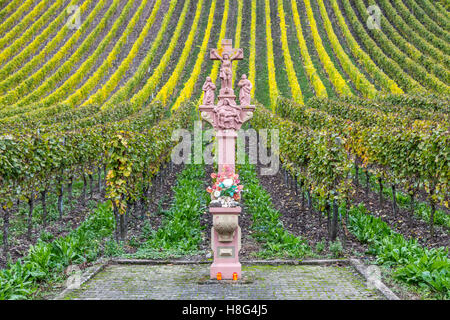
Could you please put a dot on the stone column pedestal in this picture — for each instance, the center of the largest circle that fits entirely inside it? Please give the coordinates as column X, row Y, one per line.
column 226, row 147
column 225, row 242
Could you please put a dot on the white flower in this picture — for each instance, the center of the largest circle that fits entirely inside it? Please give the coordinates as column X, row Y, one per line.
column 6, row 137
column 216, row 194
column 228, row 183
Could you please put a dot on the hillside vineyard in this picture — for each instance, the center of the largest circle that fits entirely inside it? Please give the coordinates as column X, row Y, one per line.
column 91, row 93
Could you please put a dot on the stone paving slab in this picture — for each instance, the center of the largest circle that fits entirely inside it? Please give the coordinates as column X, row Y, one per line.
column 173, row 282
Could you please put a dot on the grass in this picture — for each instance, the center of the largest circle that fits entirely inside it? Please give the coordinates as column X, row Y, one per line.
column 327, row 46
column 47, row 260
column 294, row 50
column 186, row 73
column 242, row 66
column 280, row 66
column 312, row 49
column 422, row 210
column 267, row 227
column 262, row 72
column 180, row 232
column 19, row 219
column 412, row 264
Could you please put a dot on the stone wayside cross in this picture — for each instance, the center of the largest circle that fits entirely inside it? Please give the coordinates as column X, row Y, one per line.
column 226, row 117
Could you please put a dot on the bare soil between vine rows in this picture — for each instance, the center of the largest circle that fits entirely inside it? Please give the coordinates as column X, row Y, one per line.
column 160, row 199
column 405, row 224
column 301, row 221
column 19, row 246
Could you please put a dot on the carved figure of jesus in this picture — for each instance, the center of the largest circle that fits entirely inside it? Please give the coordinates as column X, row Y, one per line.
column 244, row 93
column 208, row 88
column 226, row 73
column 227, row 116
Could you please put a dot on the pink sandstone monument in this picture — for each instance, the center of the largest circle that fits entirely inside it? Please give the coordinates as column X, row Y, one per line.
column 226, row 118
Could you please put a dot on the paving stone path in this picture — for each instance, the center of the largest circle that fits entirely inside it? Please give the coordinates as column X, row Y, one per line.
column 184, row 282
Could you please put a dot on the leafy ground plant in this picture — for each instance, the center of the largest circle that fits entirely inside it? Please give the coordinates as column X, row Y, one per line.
column 46, row 261
column 277, row 242
column 180, row 232
column 426, row 268
column 336, row 248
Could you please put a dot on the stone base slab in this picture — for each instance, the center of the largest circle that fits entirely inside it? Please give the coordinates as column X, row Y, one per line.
column 226, row 269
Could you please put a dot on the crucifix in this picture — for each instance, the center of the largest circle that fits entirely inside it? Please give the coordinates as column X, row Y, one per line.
column 226, row 117
column 226, row 54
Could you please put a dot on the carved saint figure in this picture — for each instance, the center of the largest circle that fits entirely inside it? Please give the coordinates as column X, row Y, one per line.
column 227, row 116
column 208, row 88
column 244, row 93
column 226, row 73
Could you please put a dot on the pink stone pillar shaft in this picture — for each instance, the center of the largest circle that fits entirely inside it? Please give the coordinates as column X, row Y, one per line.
column 226, row 250
column 227, row 142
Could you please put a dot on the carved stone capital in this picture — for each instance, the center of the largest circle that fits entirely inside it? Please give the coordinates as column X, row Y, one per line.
column 225, row 225
column 207, row 116
column 248, row 115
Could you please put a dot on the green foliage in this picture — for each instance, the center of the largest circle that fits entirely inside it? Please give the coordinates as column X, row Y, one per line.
column 158, row 254
column 16, row 282
column 113, row 249
column 320, row 163
column 267, row 226
column 46, row 260
column 16, row 69
column 402, row 150
column 386, row 63
column 146, row 230
column 133, row 158
column 46, row 236
column 181, row 230
column 401, row 139
column 428, row 268
column 320, row 246
column 421, row 209
column 336, row 248
column 410, row 41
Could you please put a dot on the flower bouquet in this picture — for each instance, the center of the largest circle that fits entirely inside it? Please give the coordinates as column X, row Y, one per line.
column 225, row 191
